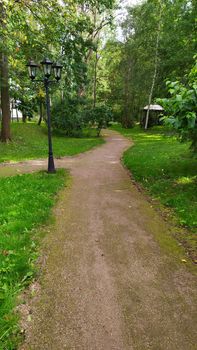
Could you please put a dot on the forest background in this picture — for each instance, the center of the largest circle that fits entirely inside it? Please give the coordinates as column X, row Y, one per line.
column 105, row 74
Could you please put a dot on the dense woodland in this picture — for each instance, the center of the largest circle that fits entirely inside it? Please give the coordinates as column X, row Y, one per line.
column 104, row 77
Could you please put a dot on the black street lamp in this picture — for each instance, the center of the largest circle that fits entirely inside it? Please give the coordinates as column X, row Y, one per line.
column 47, row 68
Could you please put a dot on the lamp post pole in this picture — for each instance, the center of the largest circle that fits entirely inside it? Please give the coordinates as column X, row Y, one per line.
column 51, row 165
column 48, row 66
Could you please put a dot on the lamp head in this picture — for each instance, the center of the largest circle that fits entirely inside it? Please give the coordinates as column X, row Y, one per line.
column 47, row 66
column 32, row 69
column 57, row 68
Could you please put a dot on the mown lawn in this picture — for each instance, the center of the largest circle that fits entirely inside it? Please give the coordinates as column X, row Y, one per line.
column 25, row 204
column 29, row 141
column 168, row 172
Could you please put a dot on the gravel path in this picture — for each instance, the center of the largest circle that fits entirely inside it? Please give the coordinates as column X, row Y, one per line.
column 106, row 284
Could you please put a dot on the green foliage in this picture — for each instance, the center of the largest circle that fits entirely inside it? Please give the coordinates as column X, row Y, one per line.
column 63, row 31
column 31, row 142
column 60, row 30
column 73, row 114
column 66, row 116
column 181, row 108
column 165, row 168
column 178, row 41
column 98, row 116
column 126, row 68
column 25, row 203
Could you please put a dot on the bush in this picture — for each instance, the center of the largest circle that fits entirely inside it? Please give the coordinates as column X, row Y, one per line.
column 98, row 117
column 66, row 116
column 71, row 116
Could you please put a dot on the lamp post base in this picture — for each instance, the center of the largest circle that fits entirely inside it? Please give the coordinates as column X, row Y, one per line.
column 51, row 165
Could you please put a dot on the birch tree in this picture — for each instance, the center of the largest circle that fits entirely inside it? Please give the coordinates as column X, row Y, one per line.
column 156, row 61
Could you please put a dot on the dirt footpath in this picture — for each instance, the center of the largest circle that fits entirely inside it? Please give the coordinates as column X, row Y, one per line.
column 106, row 283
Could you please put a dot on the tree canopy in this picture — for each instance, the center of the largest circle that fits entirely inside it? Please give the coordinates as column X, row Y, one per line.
column 158, row 44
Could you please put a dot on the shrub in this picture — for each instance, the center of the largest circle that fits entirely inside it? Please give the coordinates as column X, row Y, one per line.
column 71, row 116
column 66, row 116
column 98, row 117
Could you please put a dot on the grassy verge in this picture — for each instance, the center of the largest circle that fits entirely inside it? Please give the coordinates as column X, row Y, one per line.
column 25, row 203
column 167, row 171
column 29, row 141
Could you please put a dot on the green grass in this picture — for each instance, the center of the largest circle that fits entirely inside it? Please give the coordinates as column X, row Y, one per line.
column 25, row 204
column 168, row 172
column 29, row 141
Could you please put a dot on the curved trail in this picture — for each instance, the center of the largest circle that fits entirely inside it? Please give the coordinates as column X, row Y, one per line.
column 106, row 284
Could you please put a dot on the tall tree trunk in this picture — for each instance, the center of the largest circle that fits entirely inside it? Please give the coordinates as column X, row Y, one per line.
column 127, row 121
column 5, row 100
column 155, row 66
column 95, row 80
column 17, row 114
column 24, row 117
column 12, row 112
column 41, row 113
column 94, row 37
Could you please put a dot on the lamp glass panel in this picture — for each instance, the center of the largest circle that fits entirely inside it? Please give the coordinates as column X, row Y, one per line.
column 47, row 70
column 57, row 73
column 32, row 71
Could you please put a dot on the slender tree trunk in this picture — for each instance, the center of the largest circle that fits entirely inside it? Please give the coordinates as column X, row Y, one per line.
column 98, row 27
column 17, row 118
column 5, row 100
column 95, row 80
column 41, row 114
column 12, row 113
column 127, row 121
column 24, row 117
column 155, row 67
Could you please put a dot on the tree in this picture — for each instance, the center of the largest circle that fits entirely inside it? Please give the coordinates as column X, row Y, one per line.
column 156, row 45
column 155, row 63
column 4, row 80
column 181, row 107
column 64, row 30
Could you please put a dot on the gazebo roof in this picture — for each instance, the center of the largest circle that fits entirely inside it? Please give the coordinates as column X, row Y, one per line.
column 154, row 108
